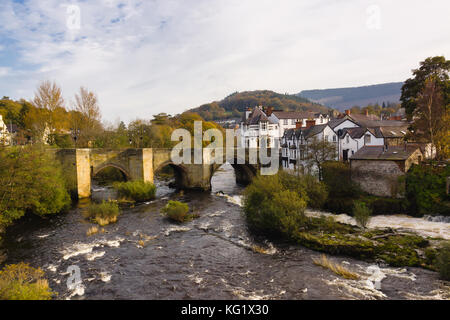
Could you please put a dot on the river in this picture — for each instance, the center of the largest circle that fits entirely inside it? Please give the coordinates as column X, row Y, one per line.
column 212, row 257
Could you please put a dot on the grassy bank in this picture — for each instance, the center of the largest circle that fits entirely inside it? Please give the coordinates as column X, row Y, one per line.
column 102, row 213
column 137, row 191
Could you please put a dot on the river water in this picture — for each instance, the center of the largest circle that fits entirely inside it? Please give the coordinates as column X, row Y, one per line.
column 212, row 257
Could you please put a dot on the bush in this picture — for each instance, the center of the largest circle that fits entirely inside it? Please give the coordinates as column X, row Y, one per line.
column 317, row 191
column 30, row 181
column 337, row 178
column 103, row 213
column 136, row 190
column 22, row 282
column 178, row 211
column 361, row 213
column 443, row 261
column 275, row 204
column 426, row 190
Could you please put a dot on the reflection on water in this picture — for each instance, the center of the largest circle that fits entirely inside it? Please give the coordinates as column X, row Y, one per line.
column 145, row 256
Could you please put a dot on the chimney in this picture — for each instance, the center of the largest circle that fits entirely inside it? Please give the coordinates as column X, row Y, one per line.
column 298, row 125
column 347, row 112
column 248, row 112
column 310, row 123
column 269, row 111
column 367, row 112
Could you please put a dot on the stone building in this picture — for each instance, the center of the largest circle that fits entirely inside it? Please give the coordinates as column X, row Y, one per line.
column 377, row 169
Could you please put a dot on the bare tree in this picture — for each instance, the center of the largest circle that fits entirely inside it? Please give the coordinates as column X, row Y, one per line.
column 319, row 151
column 86, row 115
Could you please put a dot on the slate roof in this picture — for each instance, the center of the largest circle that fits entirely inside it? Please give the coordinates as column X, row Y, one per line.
column 295, row 114
column 394, row 132
column 379, row 153
column 257, row 116
column 355, row 133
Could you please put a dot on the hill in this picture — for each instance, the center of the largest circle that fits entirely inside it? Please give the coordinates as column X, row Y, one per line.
column 345, row 98
column 234, row 105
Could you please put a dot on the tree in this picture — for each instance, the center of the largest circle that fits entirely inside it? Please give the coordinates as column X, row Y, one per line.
column 86, row 122
column 48, row 99
column 319, row 151
column 430, row 117
column 435, row 67
column 30, row 180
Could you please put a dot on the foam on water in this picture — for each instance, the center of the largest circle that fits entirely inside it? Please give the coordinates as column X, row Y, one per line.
column 80, row 248
column 418, row 225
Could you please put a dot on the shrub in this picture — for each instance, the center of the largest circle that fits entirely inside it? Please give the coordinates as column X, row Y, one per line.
column 316, row 190
column 178, row 211
column 30, row 181
column 336, row 176
column 275, row 204
column 426, row 190
column 361, row 213
column 443, row 261
column 22, row 282
column 136, row 190
column 103, row 213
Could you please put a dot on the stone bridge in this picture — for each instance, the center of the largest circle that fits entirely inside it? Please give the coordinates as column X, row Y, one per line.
column 141, row 164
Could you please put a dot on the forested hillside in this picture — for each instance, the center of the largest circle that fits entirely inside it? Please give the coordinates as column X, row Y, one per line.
column 235, row 104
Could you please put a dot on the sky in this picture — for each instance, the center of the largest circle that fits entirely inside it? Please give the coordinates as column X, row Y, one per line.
column 152, row 56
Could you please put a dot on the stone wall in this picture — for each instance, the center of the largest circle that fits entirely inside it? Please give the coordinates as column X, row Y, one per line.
column 378, row 177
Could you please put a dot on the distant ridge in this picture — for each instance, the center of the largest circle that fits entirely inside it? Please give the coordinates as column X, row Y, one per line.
column 343, row 98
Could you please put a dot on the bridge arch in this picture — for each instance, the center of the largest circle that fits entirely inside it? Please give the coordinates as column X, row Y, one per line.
column 180, row 173
column 98, row 169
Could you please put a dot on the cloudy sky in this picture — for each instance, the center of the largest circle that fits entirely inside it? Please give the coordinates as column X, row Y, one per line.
column 146, row 57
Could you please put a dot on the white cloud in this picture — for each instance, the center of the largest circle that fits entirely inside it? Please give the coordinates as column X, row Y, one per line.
column 4, row 71
column 145, row 57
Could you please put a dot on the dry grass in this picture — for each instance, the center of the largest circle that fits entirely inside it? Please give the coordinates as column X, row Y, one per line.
column 92, row 231
column 141, row 243
column 258, row 249
column 105, row 221
column 335, row 267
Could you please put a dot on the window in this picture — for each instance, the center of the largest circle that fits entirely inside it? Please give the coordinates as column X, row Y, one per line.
column 292, row 121
column 326, row 138
column 367, row 138
column 334, row 138
column 347, row 139
column 285, row 122
column 263, row 125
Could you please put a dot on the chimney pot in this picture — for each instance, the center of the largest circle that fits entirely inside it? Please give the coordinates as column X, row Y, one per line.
column 347, row 112
column 310, row 123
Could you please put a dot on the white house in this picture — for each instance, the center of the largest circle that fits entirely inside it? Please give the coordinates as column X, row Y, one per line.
column 353, row 139
column 256, row 126
column 294, row 144
column 259, row 123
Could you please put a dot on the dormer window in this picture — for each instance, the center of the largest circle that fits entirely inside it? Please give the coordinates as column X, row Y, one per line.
column 263, row 125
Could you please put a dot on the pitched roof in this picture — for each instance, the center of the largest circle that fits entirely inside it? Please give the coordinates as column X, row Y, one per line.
column 379, row 153
column 257, row 116
column 313, row 130
column 355, row 133
column 394, row 132
column 295, row 114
